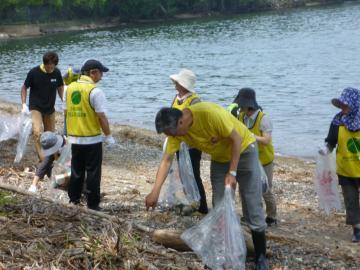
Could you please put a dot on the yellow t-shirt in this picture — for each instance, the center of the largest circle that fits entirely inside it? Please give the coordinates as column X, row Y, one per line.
column 210, row 132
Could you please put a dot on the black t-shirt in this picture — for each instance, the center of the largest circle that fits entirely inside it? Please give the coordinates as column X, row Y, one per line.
column 43, row 88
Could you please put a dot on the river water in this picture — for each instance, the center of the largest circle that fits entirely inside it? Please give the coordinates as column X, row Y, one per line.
column 296, row 60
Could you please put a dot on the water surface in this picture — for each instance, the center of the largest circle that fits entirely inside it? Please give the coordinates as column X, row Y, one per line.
column 296, row 60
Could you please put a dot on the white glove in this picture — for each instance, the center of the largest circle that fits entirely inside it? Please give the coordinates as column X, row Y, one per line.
column 25, row 109
column 109, row 141
column 323, row 150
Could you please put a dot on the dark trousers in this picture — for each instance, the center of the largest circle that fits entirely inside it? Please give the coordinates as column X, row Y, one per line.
column 86, row 158
column 352, row 204
column 195, row 156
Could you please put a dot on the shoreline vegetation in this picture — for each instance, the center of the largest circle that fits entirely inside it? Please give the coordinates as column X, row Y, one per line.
column 42, row 18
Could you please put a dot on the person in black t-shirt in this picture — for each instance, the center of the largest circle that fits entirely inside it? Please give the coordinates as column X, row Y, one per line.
column 44, row 81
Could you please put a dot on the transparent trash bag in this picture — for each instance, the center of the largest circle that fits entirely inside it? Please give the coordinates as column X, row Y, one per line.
column 218, row 238
column 326, row 183
column 24, row 134
column 172, row 193
column 61, row 172
column 264, row 179
column 187, row 175
column 9, row 127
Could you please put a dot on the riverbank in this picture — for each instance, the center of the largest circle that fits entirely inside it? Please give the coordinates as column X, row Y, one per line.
column 35, row 228
column 9, row 31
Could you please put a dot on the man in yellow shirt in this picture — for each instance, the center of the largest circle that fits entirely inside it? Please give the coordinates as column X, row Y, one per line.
column 210, row 128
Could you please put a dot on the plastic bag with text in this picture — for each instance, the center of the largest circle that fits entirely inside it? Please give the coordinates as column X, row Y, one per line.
column 24, row 134
column 326, row 183
column 218, row 238
column 187, row 175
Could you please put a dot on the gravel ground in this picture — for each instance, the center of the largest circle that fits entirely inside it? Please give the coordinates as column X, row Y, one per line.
column 305, row 237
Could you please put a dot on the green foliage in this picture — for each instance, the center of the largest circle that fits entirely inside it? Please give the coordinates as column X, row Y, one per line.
column 35, row 10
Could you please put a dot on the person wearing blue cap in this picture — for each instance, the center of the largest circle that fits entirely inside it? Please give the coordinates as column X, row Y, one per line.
column 85, row 112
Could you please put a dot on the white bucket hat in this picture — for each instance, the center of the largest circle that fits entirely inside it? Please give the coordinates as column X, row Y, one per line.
column 186, row 78
column 50, row 143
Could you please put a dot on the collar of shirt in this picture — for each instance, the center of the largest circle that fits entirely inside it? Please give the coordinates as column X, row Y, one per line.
column 250, row 120
column 181, row 99
column 42, row 68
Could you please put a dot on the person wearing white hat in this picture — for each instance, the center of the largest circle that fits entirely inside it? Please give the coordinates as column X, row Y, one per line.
column 51, row 145
column 185, row 85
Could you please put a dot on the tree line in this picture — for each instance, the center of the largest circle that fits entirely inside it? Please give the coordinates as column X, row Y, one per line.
column 34, row 11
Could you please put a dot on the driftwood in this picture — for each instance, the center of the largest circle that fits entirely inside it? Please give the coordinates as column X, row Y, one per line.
column 171, row 238
column 70, row 206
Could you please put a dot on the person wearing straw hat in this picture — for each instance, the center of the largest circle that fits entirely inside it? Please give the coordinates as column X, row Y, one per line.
column 234, row 159
column 252, row 115
column 344, row 134
column 51, row 145
column 185, row 85
column 85, row 112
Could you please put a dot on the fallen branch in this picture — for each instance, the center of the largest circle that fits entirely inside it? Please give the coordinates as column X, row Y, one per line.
column 70, row 206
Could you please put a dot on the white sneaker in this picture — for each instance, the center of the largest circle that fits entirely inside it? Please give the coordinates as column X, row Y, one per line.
column 32, row 188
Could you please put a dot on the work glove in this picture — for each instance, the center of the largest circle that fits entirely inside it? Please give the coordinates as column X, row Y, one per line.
column 323, row 149
column 25, row 109
column 109, row 141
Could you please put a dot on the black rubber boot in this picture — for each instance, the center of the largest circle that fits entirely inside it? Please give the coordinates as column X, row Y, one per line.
column 259, row 241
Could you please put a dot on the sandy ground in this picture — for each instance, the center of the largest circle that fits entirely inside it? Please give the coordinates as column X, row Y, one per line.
column 305, row 237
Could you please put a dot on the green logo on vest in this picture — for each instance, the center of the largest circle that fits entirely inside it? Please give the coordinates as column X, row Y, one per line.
column 353, row 145
column 76, row 97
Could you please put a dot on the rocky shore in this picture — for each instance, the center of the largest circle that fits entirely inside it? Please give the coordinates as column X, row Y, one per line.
column 20, row 30
column 33, row 227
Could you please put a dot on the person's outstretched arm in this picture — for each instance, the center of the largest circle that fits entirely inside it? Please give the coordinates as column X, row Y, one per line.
column 163, row 170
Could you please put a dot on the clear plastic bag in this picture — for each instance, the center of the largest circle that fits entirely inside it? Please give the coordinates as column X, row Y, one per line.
column 9, row 127
column 187, row 175
column 264, row 179
column 218, row 239
column 24, row 134
column 326, row 183
column 61, row 172
column 172, row 193
column 180, row 187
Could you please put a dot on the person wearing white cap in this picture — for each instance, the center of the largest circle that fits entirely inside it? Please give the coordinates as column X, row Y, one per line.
column 185, row 85
column 51, row 145
column 85, row 112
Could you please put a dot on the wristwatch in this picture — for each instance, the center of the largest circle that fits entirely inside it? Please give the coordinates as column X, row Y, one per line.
column 233, row 173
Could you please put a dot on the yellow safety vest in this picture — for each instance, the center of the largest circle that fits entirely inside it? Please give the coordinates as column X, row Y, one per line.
column 186, row 103
column 266, row 152
column 348, row 153
column 71, row 76
column 81, row 119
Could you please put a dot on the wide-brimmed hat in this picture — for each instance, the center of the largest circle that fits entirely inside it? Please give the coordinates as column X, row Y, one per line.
column 246, row 98
column 93, row 64
column 186, row 78
column 51, row 142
